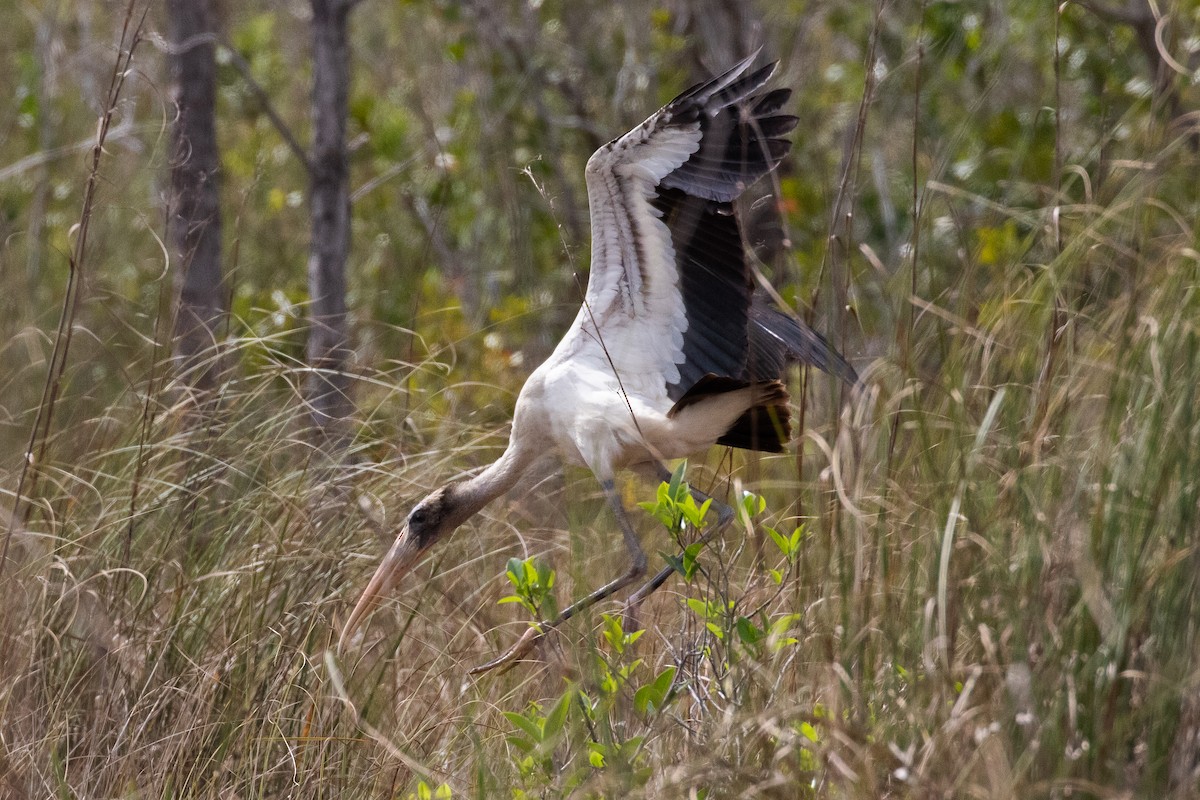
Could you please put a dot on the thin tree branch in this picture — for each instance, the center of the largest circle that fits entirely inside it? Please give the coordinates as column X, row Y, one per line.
column 243, row 67
column 123, row 130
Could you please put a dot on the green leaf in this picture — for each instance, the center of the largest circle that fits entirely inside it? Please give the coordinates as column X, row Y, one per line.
column 798, row 535
column 423, row 792
column 780, row 627
column 748, row 632
column 784, row 543
column 614, row 634
column 641, row 699
column 653, row 695
column 520, row 743
column 543, row 575
column 662, row 684
column 677, row 479
column 596, row 758
column 516, row 571
column 752, row 504
column 531, row 727
column 809, row 732
column 690, row 561
column 553, row 724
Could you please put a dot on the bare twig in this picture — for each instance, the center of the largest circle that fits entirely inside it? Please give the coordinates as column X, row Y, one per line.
column 260, row 94
column 124, row 129
column 243, row 67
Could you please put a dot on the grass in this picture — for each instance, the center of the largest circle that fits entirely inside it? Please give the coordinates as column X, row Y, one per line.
column 993, row 593
column 999, row 599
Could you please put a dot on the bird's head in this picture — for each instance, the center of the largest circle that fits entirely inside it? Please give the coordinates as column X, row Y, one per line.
column 436, row 515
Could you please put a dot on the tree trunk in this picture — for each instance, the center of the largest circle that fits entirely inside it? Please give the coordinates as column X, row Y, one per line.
column 328, row 388
column 194, row 222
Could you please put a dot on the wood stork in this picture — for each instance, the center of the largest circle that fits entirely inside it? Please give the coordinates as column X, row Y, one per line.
column 673, row 349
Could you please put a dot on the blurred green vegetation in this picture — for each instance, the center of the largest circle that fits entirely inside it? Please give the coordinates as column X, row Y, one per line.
column 996, row 591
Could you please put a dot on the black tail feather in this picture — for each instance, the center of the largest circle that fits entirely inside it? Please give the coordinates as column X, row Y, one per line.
column 766, row 426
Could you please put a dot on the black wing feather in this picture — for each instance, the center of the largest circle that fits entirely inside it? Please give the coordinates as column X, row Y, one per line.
column 733, row 333
column 778, row 339
column 716, row 287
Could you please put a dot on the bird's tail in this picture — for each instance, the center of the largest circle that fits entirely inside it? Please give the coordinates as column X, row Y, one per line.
column 765, row 425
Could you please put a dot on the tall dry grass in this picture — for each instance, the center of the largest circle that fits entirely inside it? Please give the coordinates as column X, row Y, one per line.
column 999, row 600
column 995, row 595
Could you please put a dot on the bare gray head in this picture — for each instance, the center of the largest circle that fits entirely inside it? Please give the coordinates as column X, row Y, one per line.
column 437, row 515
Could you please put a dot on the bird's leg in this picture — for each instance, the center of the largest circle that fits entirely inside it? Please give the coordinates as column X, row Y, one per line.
column 637, row 568
column 724, row 517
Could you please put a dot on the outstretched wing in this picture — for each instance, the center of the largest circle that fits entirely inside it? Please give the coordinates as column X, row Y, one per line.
column 670, row 295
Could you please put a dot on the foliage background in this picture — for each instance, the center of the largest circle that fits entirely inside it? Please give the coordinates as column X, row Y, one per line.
column 991, row 207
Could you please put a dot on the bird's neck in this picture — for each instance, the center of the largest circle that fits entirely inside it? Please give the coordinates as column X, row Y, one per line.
column 494, row 480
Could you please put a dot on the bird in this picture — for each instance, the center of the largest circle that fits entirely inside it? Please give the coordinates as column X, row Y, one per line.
column 674, row 349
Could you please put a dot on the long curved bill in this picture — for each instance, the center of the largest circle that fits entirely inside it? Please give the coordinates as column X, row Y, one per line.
column 398, row 561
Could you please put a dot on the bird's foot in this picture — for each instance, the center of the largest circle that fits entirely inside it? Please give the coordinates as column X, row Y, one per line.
column 531, row 637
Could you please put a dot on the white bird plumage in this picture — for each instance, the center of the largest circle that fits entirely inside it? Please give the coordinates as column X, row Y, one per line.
column 673, row 350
